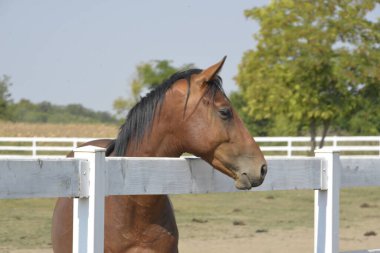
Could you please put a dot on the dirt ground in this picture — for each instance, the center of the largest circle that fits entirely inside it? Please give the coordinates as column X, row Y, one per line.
column 298, row 240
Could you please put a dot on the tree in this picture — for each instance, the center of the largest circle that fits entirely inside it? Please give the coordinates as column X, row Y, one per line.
column 5, row 97
column 255, row 127
column 314, row 63
column 148, row 76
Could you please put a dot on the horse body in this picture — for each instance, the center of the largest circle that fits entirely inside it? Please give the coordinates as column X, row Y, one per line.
column 154, row 231
column 189, row 114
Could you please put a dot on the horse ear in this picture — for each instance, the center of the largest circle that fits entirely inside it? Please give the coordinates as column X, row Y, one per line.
column 210, row 73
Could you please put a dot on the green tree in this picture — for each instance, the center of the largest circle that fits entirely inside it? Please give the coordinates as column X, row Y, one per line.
column 314, row 63
column 148, row 76
column 255, row 127
column 5, row 97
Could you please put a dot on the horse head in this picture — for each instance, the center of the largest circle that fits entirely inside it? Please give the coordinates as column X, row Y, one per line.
column 190, row 113
column 211, row 129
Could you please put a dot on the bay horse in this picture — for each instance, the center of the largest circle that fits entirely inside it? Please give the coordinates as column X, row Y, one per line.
column 187, row 113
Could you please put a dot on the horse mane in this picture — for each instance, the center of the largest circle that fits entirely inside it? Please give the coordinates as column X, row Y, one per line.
column 140, row 118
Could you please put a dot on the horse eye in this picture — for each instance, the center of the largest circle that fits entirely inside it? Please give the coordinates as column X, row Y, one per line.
column 225, row 113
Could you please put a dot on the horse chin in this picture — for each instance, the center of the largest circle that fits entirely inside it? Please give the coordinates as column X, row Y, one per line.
column 243, row 182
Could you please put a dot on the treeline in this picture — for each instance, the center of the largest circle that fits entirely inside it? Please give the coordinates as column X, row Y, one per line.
column 46, row 112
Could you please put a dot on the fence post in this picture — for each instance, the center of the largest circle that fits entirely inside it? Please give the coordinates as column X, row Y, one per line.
column 75, row 143
column 289, row 148
column 34, row 147
column 88, row 216
column 326, row 203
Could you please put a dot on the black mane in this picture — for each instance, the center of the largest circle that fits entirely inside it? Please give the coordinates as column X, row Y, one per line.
column 140, row 117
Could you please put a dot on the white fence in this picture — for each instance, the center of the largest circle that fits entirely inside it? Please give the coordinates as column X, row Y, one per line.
column 277, row 146
column 296, row 146
column 38, row 146
column 89, row 177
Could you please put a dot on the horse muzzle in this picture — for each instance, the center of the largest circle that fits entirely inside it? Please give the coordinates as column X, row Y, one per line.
column 246, row 181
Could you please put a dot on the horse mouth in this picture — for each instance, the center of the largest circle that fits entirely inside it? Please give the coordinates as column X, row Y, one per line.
column 243, row 182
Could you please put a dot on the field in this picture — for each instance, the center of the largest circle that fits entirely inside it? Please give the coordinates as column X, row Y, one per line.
column 8, row 129
column 233, row 222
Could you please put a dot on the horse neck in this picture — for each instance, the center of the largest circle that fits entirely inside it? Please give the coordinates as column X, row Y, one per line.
column 165, row 137
column 158, row 143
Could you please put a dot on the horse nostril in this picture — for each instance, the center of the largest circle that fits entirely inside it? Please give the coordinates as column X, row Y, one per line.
column 264, row 170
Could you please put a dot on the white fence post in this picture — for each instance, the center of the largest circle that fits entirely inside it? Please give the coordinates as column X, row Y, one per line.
column 88, row 217
column 326, row 204
column 335, row 141
column 289, row 148
column 34, row 147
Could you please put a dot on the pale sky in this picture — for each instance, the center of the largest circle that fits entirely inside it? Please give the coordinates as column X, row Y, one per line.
column 86, row 51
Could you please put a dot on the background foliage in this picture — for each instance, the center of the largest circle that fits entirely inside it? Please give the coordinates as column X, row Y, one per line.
column 148, row 76
column 315, row 67
column 46, row 112
column 4, row 97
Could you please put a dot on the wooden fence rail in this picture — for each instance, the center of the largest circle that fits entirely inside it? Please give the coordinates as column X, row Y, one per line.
column 89, row 177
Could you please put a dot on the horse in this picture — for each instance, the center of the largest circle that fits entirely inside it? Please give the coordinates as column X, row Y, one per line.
column 188, row 113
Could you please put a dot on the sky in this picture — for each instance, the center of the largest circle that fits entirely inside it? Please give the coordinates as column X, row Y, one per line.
column 87, row 51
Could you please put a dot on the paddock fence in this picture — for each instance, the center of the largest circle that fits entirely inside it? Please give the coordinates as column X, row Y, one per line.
column 90, row 176
column 273, row 146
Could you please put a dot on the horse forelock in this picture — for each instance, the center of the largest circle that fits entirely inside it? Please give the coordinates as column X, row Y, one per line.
column 214, row 86
column 140, row 118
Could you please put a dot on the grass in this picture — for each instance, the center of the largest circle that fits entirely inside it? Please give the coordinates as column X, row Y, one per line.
column 26, row 223
column 274, row 210
column 247, row 210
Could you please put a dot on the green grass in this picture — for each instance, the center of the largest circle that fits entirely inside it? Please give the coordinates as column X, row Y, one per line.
column 26, row 223
column 258, row 211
